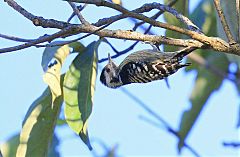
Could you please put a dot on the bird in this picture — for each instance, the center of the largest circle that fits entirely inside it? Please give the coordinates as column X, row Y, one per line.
column 143, row 66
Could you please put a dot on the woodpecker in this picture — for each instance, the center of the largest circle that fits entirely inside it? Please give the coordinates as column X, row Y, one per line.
column 143, row 66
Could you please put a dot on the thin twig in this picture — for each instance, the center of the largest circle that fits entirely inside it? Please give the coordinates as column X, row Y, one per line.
column 146, row 31
column 45, row 38
column 152, row 122
column 37, row 20
column 13, row 38
column 224, row 21
column 119, row 53
column 80, row 8
column 144, row 8
column 238, row 20
column 202, row 62
column 78, row 13
column 158, row 117
column 232, row 144
column 155, row 16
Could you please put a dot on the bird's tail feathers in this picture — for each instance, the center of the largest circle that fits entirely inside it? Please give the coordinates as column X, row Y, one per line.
column 183, row 52
column 184, row 65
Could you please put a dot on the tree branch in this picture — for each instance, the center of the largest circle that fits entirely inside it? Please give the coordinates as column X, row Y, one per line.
column 199, row 40
column 224, row 21
column 8, row 37
column 238, row 20
column 146, row 8
column 80, row 8
column 232, row 144
column 170, row 4
column 78, row 13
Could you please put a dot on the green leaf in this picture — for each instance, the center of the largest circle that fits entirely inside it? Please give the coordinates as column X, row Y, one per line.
column 53, row 151
column 206, row 81
column 38, row 126
column 78, row 89
column 9, row 148
column 181, row 7
column 61, row 122
column 77, row 47
column 57, row 55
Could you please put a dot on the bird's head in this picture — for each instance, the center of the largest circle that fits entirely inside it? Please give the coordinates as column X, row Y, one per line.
column 109, row 76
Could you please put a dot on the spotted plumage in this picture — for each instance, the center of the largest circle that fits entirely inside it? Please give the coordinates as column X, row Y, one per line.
column 142, row 67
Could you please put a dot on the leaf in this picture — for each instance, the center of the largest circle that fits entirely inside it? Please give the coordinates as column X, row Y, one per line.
column 53, row 151
column 9, row 148
column 78, row 89
column 38, row 126
column 61, row 122
column 57, row 55
column 77, row 47
column 206, row 81
column 181, row 7
column 119, row 2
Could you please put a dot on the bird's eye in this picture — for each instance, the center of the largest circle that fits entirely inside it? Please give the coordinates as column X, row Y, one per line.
column 107, row 70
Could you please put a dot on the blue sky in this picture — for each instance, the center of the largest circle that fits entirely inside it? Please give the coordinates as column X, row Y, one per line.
column 115, row 118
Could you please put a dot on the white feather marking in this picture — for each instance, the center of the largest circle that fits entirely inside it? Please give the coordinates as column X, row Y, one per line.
column 139, row 69
column 154, row 67
column 164, row 67
column 145, row 67
column 133, row 66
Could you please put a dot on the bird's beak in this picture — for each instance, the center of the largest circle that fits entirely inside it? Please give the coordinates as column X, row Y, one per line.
column 109, row 58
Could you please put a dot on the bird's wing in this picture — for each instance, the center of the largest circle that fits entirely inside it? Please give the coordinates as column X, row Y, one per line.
column 147, row 56
column 144, row 66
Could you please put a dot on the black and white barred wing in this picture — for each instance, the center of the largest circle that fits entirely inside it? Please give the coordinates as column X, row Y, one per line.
column 146, row 66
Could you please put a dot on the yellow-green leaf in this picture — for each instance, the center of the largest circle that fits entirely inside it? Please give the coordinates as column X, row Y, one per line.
column 78, row 89
column 117, row 2
column 55, row 56
column 38, row 126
